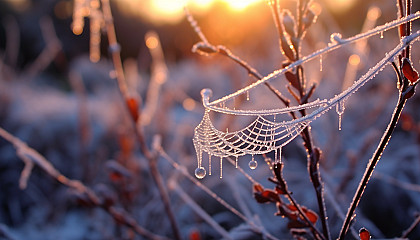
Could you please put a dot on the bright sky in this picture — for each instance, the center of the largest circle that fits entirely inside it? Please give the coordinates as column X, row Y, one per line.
column 172, row 10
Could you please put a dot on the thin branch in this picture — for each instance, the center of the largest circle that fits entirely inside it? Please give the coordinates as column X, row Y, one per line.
column 52, row 48
column 411, row 227
column 372, row 163
column 151, row 157
column 31, row 156
column 183, row 171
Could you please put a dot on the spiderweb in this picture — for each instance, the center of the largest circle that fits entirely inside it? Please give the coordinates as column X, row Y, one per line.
column 264, row 134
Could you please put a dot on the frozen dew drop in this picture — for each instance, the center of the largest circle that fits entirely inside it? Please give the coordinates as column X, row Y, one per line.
column 200, row 172
column 253, row 164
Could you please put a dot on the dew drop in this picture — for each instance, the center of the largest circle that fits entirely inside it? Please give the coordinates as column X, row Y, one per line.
column 253, row 164
column 200, row 173
column 247, row 95
column 382, row 35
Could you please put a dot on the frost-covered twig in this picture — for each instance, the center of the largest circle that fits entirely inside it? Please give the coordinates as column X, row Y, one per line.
column 396, row 182
column 338, row 43
column 411, row 227
column 158, row 77
column 30, row 157
column 197, row 209
column 205, row 47
column 132, row 103
column 53, row 47
column 183, row 171
column 407, row 79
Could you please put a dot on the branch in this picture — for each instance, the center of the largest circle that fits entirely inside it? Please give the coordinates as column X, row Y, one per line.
column 30, row 157
column 132, row 106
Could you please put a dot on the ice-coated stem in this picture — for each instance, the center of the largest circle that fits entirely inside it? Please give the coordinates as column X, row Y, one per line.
column 403, row 96
column 316, row 54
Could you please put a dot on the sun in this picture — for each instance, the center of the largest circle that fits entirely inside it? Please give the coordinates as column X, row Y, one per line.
column 171, row 11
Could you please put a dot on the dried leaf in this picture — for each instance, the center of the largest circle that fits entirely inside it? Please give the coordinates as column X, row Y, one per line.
column 286, row 48
column 258, row 188
column 288, row 23
column 364, row 234
column 308, row 19
column 409, row 72
column 293, row 80
column 296, row 224
column 266, row 196
column 311, row 215
column 133, row 107
column 195, row 235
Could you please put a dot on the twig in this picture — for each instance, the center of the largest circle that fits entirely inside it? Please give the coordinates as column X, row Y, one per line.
column 372, row 163
column 12, row 40
column 53, row 47
column 183, row 171
column 203, row 214
column 31, row 156
column 320, row 52
column 391, row 180
column 151, row 157
column 158, row 77
column 411, row 228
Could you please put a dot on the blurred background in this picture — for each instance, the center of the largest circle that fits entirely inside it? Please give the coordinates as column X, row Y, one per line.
column 69, row 109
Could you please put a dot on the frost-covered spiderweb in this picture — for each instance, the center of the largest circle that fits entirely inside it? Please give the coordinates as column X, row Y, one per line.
column 264, row 134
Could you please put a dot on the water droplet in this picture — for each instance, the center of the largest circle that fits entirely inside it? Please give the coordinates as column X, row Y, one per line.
column 320, row 63
column 247, row 95
column 253, row 164
column 200, row 173
column 382, row 34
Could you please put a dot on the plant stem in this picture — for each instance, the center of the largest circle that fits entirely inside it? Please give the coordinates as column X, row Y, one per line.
column 315, row 176
column 372, row 163
column 151, row 157
column 411, row 228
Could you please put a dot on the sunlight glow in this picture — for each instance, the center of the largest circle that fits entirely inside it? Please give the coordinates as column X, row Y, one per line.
column 340, row 6
column 171, row 11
